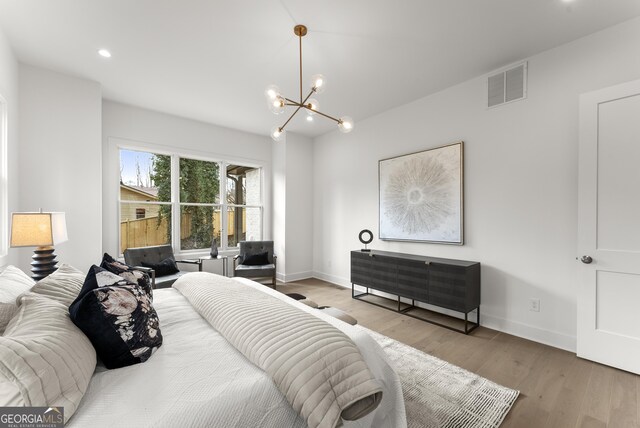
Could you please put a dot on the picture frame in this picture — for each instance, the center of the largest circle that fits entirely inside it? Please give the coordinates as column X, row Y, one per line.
column 421, row 196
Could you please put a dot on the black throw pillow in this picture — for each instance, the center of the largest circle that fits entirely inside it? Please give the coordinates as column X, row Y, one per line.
column 166, row 267
column 117, row 317
column 256, row 259
column 130, row 273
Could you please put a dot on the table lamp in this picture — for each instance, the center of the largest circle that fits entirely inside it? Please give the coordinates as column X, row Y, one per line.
column 43, row 231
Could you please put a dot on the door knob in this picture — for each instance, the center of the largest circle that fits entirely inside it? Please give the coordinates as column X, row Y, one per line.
column 586, row 259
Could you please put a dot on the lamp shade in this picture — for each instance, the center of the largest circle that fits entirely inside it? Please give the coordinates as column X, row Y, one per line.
column 38, row 229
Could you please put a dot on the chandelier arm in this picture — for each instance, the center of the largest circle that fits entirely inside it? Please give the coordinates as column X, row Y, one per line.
column 301, row 104
column 290, row 117
column 323, row 114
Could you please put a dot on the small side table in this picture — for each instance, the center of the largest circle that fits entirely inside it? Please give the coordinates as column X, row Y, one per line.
column 222, row 258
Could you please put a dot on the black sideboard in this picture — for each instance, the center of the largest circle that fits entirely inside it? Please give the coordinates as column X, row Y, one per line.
column 446, row 283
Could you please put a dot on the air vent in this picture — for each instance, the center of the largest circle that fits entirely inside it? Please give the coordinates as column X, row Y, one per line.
column 507, row 85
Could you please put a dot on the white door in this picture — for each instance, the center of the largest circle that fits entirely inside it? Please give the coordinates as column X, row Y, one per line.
column 609, row 227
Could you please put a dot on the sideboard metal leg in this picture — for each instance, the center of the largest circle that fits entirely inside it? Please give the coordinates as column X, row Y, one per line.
column 466, row 320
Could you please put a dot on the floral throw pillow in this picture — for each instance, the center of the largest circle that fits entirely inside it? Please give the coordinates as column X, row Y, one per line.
column 129, row 273
column 118, row 318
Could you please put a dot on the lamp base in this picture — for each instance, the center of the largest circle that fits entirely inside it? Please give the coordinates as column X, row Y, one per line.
column 44, row 263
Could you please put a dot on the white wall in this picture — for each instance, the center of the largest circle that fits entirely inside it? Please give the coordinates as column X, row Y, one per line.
column 293, row 207
column 137, row 127
column 9, row 91
column 299, row 207
column 60, row 159
column 521, row 169
column 280, row 206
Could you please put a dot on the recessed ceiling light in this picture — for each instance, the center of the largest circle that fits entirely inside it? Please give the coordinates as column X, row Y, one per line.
column 309, row 118
column 104, row 53
column 567, row 1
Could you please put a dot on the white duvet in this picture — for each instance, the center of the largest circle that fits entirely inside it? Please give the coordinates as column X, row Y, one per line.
column 198, row 379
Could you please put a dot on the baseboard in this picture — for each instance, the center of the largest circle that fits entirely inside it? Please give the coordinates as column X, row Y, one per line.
column 338, row 280
column 529, row 332
column 294, row 276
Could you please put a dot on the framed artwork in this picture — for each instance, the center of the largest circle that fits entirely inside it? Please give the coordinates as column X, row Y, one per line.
column 421, row 196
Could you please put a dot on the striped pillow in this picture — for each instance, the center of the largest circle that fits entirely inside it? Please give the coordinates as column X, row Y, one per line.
column 13, row 283
column 45, row 359
column 63, row 285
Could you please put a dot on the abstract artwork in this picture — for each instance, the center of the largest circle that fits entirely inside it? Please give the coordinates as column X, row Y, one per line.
column 421, row 196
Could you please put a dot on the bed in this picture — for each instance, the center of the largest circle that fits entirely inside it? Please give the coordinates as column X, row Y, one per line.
column 198, row 379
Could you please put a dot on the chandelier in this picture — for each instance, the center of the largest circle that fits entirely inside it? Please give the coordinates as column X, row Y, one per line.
column 277, row 102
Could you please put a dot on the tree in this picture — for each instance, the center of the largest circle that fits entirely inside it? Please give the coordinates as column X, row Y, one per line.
column 199, row 183
column 161, row 177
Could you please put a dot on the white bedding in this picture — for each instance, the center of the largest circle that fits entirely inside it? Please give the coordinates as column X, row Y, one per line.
column 198, row 379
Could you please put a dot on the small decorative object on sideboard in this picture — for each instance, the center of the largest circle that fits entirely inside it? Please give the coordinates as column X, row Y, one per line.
column 446, row 283
column 214, row 248
column 365, row 237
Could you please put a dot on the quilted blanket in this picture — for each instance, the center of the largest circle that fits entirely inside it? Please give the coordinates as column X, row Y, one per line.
column 317, row 367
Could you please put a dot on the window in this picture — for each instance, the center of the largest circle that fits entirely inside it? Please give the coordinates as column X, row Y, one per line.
column 199, row 203
column 145, row 199
column 178, row 200
column 243, row 201
column 4, row 182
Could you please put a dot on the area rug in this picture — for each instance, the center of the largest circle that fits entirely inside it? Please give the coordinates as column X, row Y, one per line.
column 442, row 395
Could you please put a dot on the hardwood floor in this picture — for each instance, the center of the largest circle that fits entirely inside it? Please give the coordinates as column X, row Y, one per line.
column 557, row 389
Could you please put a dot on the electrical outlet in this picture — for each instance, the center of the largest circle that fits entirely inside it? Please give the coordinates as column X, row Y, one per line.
column 534, row 305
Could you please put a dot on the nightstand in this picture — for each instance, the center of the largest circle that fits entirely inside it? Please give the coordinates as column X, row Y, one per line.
column 223, row 259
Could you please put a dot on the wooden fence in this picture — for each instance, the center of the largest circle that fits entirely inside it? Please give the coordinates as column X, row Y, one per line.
column 143, row 232
column 148, row 231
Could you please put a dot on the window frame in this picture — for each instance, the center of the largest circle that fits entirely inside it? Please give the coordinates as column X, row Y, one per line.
column 223, row 195
column 176, row 204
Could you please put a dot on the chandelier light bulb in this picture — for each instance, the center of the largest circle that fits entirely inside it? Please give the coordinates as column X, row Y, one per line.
column 272, row 92
column 276, row 105
column 313, row 106
column 277, row 133
column 345, row 125
column 318, row 83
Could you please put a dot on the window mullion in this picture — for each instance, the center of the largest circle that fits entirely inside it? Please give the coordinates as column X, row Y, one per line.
column 224, row 216
column 175, row 203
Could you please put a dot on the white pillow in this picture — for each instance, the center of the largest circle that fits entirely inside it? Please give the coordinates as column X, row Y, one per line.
column 7, row 311
column 13, row 283
column 46, row 359
column 63, row 285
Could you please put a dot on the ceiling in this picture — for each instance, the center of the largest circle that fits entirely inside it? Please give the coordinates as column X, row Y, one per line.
column 211, row 60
